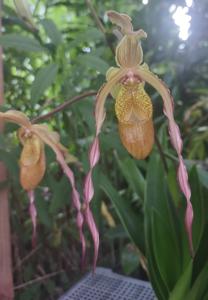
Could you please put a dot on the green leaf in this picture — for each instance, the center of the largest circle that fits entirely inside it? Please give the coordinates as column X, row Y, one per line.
column 183, row 284
column 42, row 210
column 61, row 195
column 200, row 285
column 203, row 176
column 129, row 217
column 133, row 175
column 20, row 42
column 91, row 34
column 201, row 254
column 44, row 78
column 110, row 141
column 205, row 297
column 158, row 284
column 173, row 185
column 10, row 161
column 93, row 62
column 85, row 109
column 164, row 248
column 197, row 200
column 52, row 31
column 161, row 232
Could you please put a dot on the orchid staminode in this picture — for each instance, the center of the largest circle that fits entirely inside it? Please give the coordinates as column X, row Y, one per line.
column 33, row 165
column 134, row 110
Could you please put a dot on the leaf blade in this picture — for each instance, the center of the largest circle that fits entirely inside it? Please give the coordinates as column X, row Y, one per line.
column 52, row 31
column 44, row 78
column 131, row 220
column 20, row 43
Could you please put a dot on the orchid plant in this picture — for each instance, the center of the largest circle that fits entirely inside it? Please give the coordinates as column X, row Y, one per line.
column 134, row 112
column 33, row 137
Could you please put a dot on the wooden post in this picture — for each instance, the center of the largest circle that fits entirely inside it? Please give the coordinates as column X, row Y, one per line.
column 6, row 280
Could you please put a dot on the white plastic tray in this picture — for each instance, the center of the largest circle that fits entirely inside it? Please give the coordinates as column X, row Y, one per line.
column 106, row 285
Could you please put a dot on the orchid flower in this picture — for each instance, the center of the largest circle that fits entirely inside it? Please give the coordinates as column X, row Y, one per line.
column 134, row 111
column 33, row 165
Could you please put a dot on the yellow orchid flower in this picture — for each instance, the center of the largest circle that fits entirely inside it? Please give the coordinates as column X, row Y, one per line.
column 33, row 165
column 32, row 160
column 134, row 111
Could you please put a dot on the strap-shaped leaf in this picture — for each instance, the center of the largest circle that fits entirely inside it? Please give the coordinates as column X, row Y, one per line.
column 163, row 239
column 129, row 217
column 199, row 288
column 132, row 175
column 183, row 284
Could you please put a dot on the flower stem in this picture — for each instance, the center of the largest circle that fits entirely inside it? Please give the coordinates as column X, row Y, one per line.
column 63, row 106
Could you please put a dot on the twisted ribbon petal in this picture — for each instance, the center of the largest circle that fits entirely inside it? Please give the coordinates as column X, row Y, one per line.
column 94, row 155
column 76, row 201
column 176, row 141
column 53, row 141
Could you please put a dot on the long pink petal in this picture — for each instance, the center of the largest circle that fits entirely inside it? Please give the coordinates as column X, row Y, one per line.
column 75, row 199
column 94, row 154
column 94, row 232
column 88, row 195
column 52, row 140
column 88, row 187
column 33, row 215
column 79, row 222
column 176, row 141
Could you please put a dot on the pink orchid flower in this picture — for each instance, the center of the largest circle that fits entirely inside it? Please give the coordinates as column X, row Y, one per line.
column 134, row 110
column 33, row 165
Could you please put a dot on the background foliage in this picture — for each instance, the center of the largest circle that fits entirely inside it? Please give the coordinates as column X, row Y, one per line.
column 69, row 54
